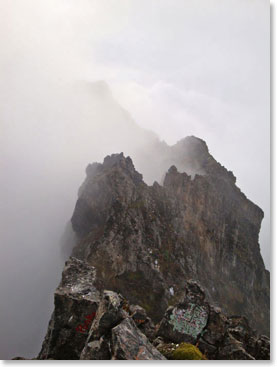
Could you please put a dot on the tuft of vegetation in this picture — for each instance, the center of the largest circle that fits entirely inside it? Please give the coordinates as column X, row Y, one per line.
column 187, row 351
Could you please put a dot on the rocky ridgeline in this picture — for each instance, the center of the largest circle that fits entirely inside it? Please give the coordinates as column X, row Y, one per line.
column 122, row 331
column 126, row 291
column 146, row 241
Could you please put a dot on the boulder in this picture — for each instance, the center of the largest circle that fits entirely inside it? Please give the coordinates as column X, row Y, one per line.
column 111, row 312
column 257, row 346
column 142, row 321
column 76, row 300
column 128, row 342
column 232, row 349
column 97, row 350
column 213, row 333
column 186, row 321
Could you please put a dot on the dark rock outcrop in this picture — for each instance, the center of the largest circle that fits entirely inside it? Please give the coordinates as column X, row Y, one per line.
column 146, row 241
column 216, row 335
column 75, row 298
column 130, row 343
column 119, row 330
column 114, row 333
column 111, row 333
column 138, row 246
column 143, row 322
column 187, row 320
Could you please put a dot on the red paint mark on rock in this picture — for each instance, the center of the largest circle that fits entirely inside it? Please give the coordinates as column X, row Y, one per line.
column 88, row 320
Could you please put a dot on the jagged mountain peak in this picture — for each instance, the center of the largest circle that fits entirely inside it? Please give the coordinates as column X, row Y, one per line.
column 141, row 253
column 120, row 161
column 194, row 143
column 146, row 241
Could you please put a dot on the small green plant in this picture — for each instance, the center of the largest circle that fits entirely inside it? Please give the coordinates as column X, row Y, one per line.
column 187, row 351
column 166, row 255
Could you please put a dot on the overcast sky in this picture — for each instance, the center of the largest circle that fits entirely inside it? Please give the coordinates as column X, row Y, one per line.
column 180, row 67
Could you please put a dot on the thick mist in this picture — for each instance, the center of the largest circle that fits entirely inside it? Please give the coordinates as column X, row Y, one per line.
column 179, row 69
column 43, row 169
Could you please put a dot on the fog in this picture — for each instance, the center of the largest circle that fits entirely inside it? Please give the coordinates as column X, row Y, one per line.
column 81, row 79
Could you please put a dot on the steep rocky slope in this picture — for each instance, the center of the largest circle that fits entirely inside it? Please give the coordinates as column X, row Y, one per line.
column 147, row 241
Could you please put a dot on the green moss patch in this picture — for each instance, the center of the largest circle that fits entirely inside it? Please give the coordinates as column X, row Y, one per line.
column 187, row 351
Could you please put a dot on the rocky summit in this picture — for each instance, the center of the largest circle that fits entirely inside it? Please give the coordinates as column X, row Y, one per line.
column 161, row 268
column 119, row 330
column 146, row 241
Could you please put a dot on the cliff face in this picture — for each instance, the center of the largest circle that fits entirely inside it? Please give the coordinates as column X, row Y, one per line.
column 146, row 241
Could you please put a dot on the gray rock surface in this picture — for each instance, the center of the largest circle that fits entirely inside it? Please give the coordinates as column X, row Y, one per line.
column 75, row 298
column 147, row 241
column 115, row 335
column 217, row 336
column 118, row 330
column 143, row 322
column 138, row 246
column 128, row 342
column 186, row 321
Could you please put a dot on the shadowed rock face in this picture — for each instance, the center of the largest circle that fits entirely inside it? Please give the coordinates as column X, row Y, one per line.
column 146, row 241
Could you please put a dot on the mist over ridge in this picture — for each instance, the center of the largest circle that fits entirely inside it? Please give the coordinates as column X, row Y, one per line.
column 164, row 73
column 43, row 171
column 44, row 186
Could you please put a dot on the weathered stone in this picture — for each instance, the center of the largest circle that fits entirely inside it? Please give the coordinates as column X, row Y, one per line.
column 120, row 330
column 216, row 327
column 186, row 321
column 138, row 313
column 111, row 311
column 258, row 347
column 262, row 348
column 143, row 322
column 233, row 350
column 221, row 337
column 97, row 350
column 128, row 342
column 75, row 298
column 209, row 350
column 214, row 333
